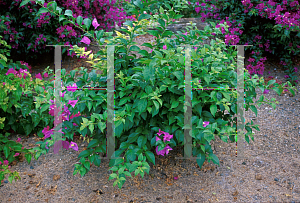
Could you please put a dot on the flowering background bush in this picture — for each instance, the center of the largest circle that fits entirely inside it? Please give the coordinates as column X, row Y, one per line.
column 272, row 27
column 28, row 33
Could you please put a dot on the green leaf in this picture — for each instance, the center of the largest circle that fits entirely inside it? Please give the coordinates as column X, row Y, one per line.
column 276, row 90
column 79, row 20
column 271, row 82
column 174, row 104
column 150, row 156
column 141, row 141
column 93, row 143
column 28, row 157
column 101, row 126
column 253, row 108
column 82, row 171
column 42, row 10
column 87, row 22
column 213, row 109
column 134, row 48
column 130, row 155
column 69, row 13
column 92, row 158
column 201, row 160
column 6, row 151
column 45, row 107
column 140, row 157
column 161, row 22
column 149, row 73
column 142, row 104
column 87, row 165
column 91, row 127
column 24, row 3
column 144, row 16
column 10, row 179
column 161, row 10
column 214, row 158
column 85, row 153
column 97, row 161
column 178, row 16
column 52, row 5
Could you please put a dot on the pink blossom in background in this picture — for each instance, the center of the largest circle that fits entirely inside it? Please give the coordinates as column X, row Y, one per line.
column 165, row 47
column 39, row 76
column 86, row 40
column 11, row 70
column 197, row 9
column 95, row 23
column 18, row 140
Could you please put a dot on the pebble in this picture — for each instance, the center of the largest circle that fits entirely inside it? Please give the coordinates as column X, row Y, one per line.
column 68, row 172
column 266, row 135
column 5, row 181
column 31, row 167
column 276, row 179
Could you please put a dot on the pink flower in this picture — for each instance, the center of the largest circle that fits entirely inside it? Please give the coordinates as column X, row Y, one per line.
column 176, row 177
column 3, row 83
column 62, row 94
column 86, row 40
column 266, row 91
column 11, row 70
column 286, row 76
column 160, row 132
column 164, row 151
column 296, row 69
column 45, row 75
column 74, row 146
column 47, row 132
column 167, row 137
column 165, row 47
column 5, row 162
column 65, row 144
column 39, row 76
column 95, row 23
column 76, row 115
column 17, row 154
column 205, row 123
column 18, row 140
column 72, row 88
column 197, row 9
column 0, row 163
column 72, row 102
